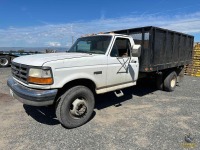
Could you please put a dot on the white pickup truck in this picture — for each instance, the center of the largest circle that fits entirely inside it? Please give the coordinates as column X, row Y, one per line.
column 93, row 65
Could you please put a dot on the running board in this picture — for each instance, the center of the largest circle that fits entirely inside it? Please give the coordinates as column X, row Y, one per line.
column 119, row 93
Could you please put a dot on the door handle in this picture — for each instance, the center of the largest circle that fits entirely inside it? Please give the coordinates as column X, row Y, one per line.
column 134, row 61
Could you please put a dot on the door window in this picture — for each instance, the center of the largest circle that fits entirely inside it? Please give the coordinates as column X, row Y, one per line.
column 121, row 48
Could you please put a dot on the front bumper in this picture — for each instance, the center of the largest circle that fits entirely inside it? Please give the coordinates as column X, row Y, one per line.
column 30, row 96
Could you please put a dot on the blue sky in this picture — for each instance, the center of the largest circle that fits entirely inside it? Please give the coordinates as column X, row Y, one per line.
column 28, row 23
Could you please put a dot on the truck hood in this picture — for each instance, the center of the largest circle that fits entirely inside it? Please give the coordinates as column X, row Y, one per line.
column 40, row 59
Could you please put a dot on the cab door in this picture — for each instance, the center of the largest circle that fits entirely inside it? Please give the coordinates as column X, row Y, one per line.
column 115, row 71
column 122, row 68
column 132, row 66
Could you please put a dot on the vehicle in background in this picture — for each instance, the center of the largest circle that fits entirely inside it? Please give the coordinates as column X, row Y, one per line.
column 7, row 56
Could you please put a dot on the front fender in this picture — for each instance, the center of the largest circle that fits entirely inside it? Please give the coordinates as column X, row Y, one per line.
column 72, row 77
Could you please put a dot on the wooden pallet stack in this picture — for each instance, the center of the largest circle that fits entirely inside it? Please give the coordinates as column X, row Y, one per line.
column 193, row 69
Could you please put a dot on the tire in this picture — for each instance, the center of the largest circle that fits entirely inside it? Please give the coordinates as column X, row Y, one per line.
column 75, row 107
column 170, row 82
column 159, row 82
column 4, row 61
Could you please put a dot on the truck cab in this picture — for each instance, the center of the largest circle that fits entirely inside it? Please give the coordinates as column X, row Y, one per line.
column 117, row 64
column 94, row 64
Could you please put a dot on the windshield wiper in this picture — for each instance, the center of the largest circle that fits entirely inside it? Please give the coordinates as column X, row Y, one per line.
column 97, row 52
column 79, row 51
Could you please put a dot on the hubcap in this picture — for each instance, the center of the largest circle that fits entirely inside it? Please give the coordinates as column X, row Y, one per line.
column 78, row 108
column 173, row 82
column 3, row 61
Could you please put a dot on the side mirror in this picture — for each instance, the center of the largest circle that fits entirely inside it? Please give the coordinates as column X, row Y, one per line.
column 136, row 50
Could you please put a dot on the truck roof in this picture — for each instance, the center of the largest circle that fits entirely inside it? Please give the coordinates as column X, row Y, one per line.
column 106, row 34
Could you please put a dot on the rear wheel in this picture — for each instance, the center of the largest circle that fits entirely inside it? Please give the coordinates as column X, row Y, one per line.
column 159, row 81
column 75, row 107
column 170, row 82
column 4, row 61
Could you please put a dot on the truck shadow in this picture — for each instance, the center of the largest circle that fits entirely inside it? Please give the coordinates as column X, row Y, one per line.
column 46, row 115
column 142, row 88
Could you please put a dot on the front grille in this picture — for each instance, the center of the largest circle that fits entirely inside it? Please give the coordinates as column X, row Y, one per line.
column 19, row 71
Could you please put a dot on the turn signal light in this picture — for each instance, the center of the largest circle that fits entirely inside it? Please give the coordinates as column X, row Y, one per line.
column 37, row 80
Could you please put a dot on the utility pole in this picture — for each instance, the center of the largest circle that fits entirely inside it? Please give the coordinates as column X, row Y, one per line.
column 72, row 34
column 72, row 39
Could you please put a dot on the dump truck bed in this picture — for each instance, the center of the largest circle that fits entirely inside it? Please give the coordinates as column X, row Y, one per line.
column 161, row 48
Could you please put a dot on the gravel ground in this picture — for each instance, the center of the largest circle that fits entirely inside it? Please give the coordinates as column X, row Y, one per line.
column 142, row 119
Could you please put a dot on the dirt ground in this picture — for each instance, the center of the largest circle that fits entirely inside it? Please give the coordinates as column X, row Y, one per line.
column 144, row 118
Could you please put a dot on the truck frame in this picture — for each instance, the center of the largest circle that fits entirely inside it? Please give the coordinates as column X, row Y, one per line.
column 162, row 51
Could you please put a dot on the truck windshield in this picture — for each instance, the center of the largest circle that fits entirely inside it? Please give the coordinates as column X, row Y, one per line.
column 91, row 44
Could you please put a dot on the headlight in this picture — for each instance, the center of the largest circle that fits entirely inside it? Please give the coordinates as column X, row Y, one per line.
column 40, row 76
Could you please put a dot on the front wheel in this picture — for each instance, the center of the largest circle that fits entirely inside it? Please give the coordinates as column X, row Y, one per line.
column 170, row 82
column 75, row 107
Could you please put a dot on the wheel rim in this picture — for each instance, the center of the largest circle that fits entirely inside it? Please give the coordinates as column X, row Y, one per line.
column 78, row 108
column 3, row 61
column 173, row 82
